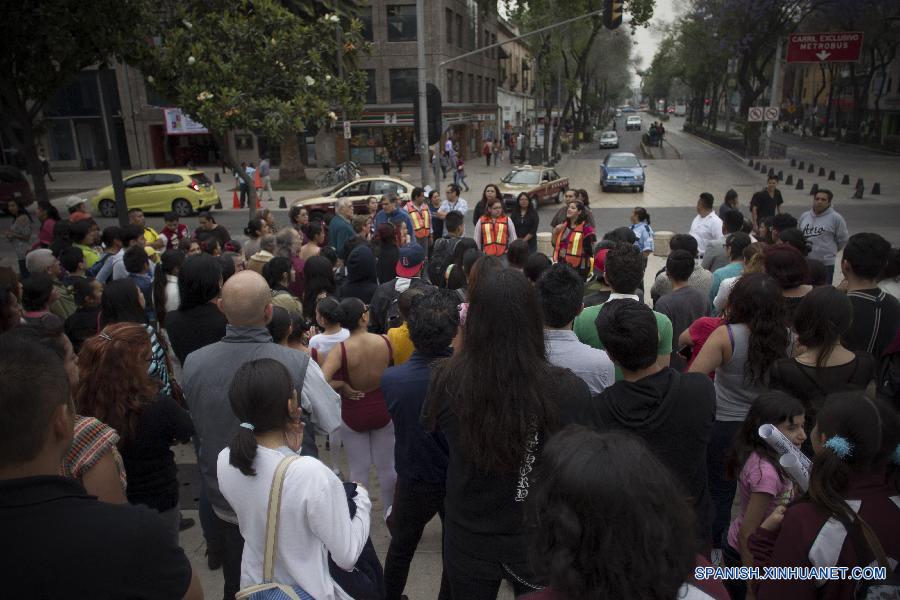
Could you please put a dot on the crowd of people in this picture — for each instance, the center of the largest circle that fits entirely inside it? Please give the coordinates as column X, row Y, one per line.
column 574, row 441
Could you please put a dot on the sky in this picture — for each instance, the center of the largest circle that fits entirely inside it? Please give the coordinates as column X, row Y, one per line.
column 648, row 38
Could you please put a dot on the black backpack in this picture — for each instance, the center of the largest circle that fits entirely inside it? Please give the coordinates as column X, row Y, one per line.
column 887, row 379
column 440, row 259
column 869, row 557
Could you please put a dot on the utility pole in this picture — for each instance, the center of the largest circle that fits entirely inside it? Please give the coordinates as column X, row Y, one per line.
column 424, row 162
column 774, row 94
column 112, row 153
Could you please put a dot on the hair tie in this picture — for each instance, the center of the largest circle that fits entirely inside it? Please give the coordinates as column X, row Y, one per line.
column 248, row 426
column 840, row 446
column 896, row 456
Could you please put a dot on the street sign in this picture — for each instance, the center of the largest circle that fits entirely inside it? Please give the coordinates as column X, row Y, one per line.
column 755, row 113
column 347, row 134
column 836, row 46
column 612, row 13
column 772, row 113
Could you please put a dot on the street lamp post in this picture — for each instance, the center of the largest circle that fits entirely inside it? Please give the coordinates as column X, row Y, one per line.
column 424, row 162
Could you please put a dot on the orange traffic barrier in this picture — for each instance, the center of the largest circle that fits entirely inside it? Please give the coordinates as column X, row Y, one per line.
column 235, row 203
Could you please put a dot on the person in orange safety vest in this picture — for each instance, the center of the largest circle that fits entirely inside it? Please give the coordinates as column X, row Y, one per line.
column 495, row 231
column 573, row 239
column 420, row 214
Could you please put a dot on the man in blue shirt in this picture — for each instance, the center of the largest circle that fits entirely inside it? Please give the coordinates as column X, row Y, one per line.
column 420, row 457
column 339, row 228
column 390, row 213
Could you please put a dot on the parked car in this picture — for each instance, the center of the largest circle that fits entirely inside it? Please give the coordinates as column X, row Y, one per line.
column 540, row 183
column 671, row 110
column 182, row 191
column 13, row 186
column 609, row 139
column 633, row 122
column 628, row 109
column 358, row 191
column 622, row 170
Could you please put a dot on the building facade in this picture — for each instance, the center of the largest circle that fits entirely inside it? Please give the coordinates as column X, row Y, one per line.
column 515, row 94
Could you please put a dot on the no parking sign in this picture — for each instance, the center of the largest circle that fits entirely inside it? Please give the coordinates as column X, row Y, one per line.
column 755, row 113
column 772, row 113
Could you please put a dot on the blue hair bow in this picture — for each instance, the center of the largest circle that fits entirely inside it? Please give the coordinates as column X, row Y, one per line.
column 840, row 446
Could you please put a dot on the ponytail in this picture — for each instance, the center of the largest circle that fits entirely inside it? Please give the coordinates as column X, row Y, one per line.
column 351, row 311
column 258, row 396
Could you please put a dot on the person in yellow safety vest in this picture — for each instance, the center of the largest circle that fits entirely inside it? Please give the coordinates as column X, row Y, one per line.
column 420, row 214
column 495, row 231
column 573, row 239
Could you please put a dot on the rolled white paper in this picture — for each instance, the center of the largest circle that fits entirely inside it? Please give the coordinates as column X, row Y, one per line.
column 784, row 447
column 795, row 470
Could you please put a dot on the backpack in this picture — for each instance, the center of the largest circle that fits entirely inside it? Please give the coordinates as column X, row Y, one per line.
column 887, row 379
column 440, row 258
column 869, row 556
column 394, row 318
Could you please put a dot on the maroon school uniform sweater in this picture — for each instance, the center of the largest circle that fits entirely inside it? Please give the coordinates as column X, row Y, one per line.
column 809, row 538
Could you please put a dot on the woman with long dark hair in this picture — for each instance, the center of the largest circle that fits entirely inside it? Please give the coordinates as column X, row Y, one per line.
column 604, row 502
column 455, row 275
column 491, row 192
column 318, row 276
column 386, row 252
column 209, row 231
column 255, row 229
column 314, row 233
column 789, row 268
column 48, row 215
column 849, row 517
column 165, row 284
column 314, row 516
column 741, row 351
column 496, row 401
column 762, row 482
column 114, row 386
column 729, row 204
column 525, row 219
column 354, row 368
column 821, row 364
column 123, row 302
column 19, row 232
column 198, row 321
column 573, row 239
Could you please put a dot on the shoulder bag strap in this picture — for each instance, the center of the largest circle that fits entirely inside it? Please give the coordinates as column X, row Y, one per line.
column 390, row 350
column 272, row 518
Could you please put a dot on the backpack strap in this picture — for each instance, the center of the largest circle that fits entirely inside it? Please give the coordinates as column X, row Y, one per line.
column 272, row 518
column 390, row 350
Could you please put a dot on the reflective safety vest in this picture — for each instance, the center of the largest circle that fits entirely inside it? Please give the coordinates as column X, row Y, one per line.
column 494, row 235
column 421, row 219
column 574, row 251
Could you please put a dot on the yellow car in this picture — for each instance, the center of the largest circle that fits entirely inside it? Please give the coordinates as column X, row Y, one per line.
column 358, row 191
column 182, row 191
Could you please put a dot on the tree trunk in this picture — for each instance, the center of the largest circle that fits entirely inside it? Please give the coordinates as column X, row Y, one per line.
column 24, row 142
column 235, row 167
column 292, row 166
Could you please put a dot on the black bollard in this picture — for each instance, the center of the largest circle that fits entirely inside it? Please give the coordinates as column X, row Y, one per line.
column 789, row 180
column 216, row 178
column 821, row 171
column 799, row 183
column 811, row 168
column 771, row 173
column 780, row 175
column 750, row 163
column 219, row 203
column 859, row 189
column 814, row 189
column 876, row 189
column 282, row 203
column 793, row 162
column 831, row 176
column 802, row 165
column 845, row 180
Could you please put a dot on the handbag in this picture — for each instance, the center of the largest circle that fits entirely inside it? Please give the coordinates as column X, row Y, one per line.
column 269, row 589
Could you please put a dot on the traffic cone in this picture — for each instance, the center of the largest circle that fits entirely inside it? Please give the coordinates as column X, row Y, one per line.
column 235, row 202
column 258, row 205
column 257, row 181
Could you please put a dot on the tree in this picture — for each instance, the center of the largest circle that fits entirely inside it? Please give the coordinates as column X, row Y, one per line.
column 47, row 45
column 256, row 66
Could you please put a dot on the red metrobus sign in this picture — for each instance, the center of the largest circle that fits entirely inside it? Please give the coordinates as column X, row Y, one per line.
column 837, row 46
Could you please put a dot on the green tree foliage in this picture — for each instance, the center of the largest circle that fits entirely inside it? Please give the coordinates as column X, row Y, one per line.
column 46, row 44
column 255, row 65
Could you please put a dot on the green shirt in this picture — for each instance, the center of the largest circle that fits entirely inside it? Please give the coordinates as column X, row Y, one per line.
column 587, row 332
column 90, row 256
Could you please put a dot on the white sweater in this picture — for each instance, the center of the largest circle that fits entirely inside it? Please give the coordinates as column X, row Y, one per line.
column 313, row 520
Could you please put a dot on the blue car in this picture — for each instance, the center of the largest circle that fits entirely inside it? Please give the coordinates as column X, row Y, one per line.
column 621, row 170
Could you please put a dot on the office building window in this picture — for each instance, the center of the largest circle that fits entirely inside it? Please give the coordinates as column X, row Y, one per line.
column 450, row 22
column 459, row 85
column 459, row 31
column 365, row 15
column 371, row 95
column 472, row 92
column 403, row 86
column 480, row 97
column 449, row 85
column 401, row 22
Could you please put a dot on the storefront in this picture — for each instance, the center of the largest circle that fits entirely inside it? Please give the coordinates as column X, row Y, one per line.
column 181, row 140
column 367, row 143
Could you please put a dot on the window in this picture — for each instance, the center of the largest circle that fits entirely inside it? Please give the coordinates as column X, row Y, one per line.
column 472, row 93
column 356, row 189
column 62, row 144
column 365, row 15
column 459, row 86
column 371, row 96
column 403, row 86
column 165, row 179
column 381, row 187
column 459, row 31
column 401, row 22
column 449, row 85
column 138, row 181
column 449, row 18
column 480, row 97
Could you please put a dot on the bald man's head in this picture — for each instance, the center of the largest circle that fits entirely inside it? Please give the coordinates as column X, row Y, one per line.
column 246, row 300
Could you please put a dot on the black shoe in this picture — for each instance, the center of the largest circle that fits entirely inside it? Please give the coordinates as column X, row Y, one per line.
column 213, row 559
column 185, row 523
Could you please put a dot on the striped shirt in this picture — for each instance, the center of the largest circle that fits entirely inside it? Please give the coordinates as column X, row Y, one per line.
column 91, row 441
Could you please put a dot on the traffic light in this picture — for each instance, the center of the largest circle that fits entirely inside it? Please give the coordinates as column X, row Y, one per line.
column 612, row 13
column 434, row 116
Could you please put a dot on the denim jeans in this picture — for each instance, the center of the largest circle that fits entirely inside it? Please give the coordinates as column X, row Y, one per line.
column 415, row 504
column 721, row 490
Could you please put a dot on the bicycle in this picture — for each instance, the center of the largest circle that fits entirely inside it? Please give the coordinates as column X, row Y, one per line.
column 342, row 173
